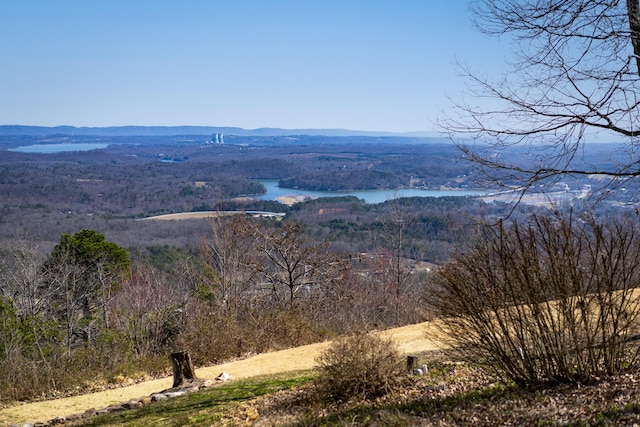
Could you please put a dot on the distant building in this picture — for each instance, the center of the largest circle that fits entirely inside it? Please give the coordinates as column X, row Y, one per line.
column 218, row 138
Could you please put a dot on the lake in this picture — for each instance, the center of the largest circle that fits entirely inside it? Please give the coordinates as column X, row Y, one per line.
column 369, row 196
column 57, row 148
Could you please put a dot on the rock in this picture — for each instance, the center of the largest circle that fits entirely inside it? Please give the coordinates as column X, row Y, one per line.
column 58, row 420
column 146, row 400
column 89, row 413
column 132, row 404
column 110, row 409
column 158, row 397
column 207, row 383
column 224, row 377
column 74, row 417
column 175, row 393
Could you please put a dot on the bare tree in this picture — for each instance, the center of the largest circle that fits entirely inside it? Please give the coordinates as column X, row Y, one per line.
column 575, row 73
column 294, row 265
column 21, row 277
column 25, row 293
column 229, row 255
column 397, row 259
column 146, row 308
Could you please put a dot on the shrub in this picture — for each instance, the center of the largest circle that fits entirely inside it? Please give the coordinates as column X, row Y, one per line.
column 551, row 300
column 363, row 365
column 212, row 336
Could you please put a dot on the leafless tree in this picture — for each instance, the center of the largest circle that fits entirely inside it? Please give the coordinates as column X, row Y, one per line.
column 294, row 265
column 145, row 309
column 68, row 302
column 21, row 277
column 229, row 255
column 575, row 73
column 397, row 260
column 21, row 283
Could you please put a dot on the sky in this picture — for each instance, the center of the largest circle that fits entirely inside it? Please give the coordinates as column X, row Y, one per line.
column 372, row 65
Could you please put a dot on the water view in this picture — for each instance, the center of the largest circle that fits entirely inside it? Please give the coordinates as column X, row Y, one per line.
column 370, row 196
column 58, row 148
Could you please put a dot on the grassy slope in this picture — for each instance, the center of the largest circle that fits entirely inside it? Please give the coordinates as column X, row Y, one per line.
column 411, row 339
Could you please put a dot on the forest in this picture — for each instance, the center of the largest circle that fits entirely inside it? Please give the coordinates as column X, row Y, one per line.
column 87, row 283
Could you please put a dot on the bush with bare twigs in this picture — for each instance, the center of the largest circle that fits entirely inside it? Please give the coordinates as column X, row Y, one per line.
column 363, row 365
column 551, row 300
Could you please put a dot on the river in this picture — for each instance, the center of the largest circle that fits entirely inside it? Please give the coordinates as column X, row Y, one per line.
column 369, row 196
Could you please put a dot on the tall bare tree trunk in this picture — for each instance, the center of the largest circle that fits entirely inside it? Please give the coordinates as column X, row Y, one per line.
column 633, row 12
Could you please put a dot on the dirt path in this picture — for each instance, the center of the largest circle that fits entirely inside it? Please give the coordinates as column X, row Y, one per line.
column 411, row 339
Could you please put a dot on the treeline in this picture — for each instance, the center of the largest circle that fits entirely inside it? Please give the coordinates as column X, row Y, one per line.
column 343, row 179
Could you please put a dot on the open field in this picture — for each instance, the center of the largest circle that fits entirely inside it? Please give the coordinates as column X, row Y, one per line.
column 411, row 339
column 211, row 214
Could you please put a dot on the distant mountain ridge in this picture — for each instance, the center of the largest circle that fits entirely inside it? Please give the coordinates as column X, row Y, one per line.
column 19, row 130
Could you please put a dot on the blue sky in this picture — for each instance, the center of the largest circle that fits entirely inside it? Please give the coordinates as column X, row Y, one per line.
column 352, row 64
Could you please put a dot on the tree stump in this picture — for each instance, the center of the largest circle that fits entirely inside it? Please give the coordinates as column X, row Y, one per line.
column 182, row 368
column 412, row 363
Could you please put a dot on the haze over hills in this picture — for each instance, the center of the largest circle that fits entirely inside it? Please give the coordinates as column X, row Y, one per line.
column 6, row 130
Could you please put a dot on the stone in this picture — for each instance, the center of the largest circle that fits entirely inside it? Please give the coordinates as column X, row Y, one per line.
column 132, row 404
column 158, row 397
column 146, row 400
column 89, row 413
column 175, row 394
column 224, row 377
